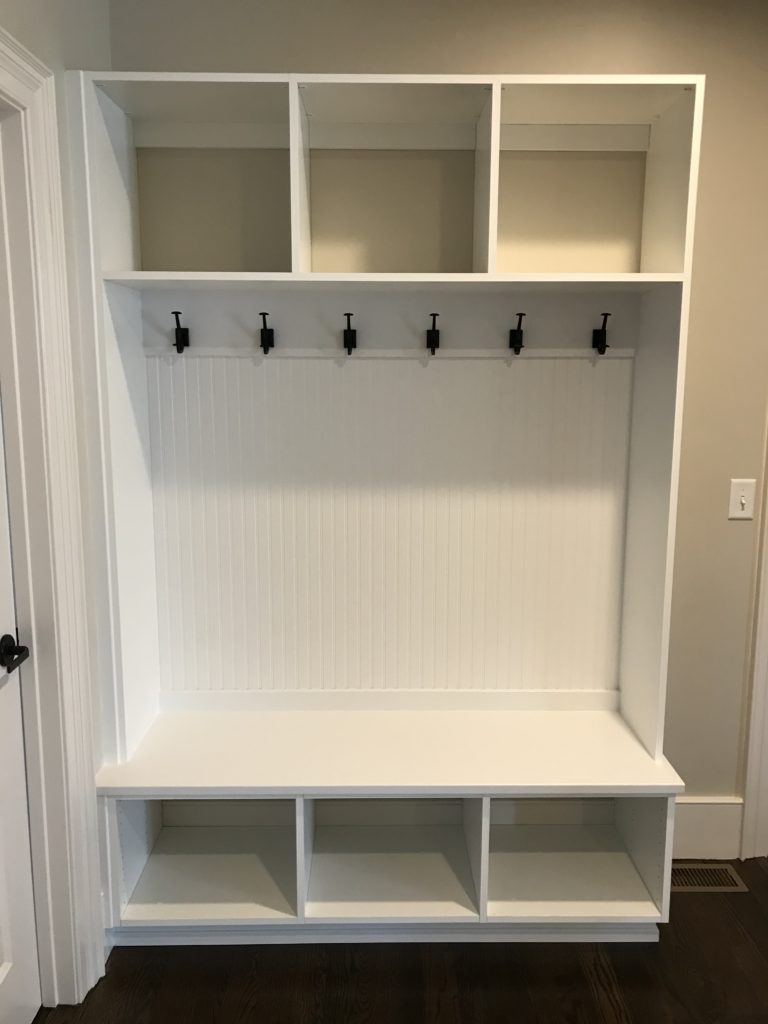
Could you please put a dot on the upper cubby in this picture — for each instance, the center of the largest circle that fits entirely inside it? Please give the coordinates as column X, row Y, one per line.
column 192, row 174
column 393, row 177
column 594, row 177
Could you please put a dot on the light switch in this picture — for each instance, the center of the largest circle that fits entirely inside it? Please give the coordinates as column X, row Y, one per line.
column 742, row 501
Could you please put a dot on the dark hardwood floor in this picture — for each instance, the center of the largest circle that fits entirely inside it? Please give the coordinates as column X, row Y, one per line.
column 710, row 967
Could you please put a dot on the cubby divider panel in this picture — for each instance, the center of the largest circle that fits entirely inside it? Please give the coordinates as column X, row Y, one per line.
column 211, row 862
column 395, row 860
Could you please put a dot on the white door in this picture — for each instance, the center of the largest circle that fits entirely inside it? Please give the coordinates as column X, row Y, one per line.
column 19, row 971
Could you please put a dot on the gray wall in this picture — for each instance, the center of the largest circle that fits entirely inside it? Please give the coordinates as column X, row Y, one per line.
column 728, row 366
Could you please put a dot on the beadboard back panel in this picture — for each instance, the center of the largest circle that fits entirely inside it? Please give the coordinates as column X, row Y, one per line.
column 390, row 524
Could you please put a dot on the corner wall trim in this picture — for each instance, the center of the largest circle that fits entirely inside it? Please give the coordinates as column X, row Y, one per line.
column 708, row 827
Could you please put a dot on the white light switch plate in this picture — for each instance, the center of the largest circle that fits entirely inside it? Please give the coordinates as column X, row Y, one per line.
column 742, row 501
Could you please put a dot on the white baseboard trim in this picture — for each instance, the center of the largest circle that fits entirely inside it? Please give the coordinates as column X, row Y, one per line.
column 302, row 933
column 708, row 827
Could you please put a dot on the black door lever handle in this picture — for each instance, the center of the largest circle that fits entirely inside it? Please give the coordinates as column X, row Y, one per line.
column 11, row 653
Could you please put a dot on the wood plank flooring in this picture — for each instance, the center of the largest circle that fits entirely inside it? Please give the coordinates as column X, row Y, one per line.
column 710, row 967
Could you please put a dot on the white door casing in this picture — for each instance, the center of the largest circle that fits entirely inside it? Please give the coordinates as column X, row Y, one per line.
column 42, row 464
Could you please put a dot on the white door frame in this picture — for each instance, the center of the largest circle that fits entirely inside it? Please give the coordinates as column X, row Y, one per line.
column 754, row 830
column 47, row 538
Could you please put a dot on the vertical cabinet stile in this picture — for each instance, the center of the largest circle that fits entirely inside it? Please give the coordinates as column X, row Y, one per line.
column 301, row 241
column 487, row 147
column 305, row 831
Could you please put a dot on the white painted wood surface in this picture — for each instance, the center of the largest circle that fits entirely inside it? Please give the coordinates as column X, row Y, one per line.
column 153, row 280
column 486, row 145
column 667, row 182
column 376, row 932
column 19, row 972
column 291, row 753
column 287, row 545
column 113, row 181
column 646, row 826
column 130, row 498
column 649, row 548
column 301, row 227
column 216, row 876
column 564, row 873
column 456, row 525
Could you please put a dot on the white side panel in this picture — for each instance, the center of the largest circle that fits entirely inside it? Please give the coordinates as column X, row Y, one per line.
column 138, row 826
column 487, row 184
column 300, row 213
column 667, row 175
column 648, row 560
column 389, row 524
column 645, row 825
column 115, row 187
column 132, row 510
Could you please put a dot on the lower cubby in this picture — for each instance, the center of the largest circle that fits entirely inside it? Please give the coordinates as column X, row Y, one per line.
column 596, row 860
column 207, row 862
column 380, row 867
column 393, row 860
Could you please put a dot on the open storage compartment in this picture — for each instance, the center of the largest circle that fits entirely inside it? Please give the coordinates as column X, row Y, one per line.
column 206, row 862
column 594, row 178
column 394, row 178
column 393, row 860
column 193, row 175
column 579, row 860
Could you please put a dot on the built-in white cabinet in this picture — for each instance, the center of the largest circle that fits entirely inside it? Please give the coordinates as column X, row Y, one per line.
column 383, row 619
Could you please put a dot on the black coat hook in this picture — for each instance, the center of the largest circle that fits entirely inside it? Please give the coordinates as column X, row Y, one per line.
column 267, row 335
column 600, row 336
column 433, row 334
column 182, row 334
column 350, row 335
column 516, row 336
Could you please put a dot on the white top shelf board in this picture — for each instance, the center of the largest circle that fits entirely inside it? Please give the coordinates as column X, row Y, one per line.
column 346, row 752
column 200, row 102
column 587, row 103
column 203, row 280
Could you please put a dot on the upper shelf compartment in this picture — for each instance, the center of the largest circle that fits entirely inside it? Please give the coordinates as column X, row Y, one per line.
column 393, row 176
column 594, row 177
column 192, row 174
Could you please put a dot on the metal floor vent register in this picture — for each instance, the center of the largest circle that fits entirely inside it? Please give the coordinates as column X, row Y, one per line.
column 706, row 877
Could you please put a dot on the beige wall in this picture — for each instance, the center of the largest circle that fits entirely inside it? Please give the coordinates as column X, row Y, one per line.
column 61, row 33
column 728, row 363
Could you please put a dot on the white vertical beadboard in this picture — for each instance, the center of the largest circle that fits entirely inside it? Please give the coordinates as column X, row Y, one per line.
column 394, row 524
